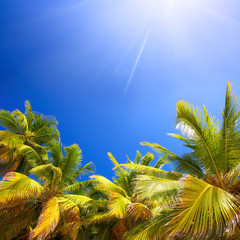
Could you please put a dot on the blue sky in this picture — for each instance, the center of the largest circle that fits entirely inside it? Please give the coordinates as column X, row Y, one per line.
column 111, row 72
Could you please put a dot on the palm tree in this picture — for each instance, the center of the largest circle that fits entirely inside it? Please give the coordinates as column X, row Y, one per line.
column 124, row 209
column 208, row 205
column 49, row 206
column 24, row 138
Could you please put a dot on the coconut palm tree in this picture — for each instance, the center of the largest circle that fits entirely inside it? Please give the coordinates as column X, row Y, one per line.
column 24, row 138
column 48, row 205
column 208, row 207
column 124, row 209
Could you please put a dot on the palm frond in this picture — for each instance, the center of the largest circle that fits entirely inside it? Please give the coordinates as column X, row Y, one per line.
column 17, row 187
column 203, row 209
column 97, row 218
column 188, row 164
column 48, row 219
column 78, row 186
column 86, row 169
column 48, row 173
column 70, row 214
column 138, row 157
column 22, row 120
column 29, row 114
column 160, row 190
column 118, row 205
column 56, row 153
column 154, row 229
column 142, row 169
column 107, row 185
column 46, row 135
column 146, row 159
column 31, row 155
column 125, row 184
column 202, row 128
column 72, row 160
column 230, row 132
column 139, row 211
column 162, row 151
column 8, row 121
column 11, row 139
column 80, row 200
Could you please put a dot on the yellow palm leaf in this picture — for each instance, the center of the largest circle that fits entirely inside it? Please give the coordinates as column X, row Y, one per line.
column 118, row 205
column 48, row 219
column 17, row 187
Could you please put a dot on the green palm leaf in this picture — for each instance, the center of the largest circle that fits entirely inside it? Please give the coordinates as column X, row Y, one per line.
column 118, row 205
column 157, row 190
column 202, row 209
column 17, row 187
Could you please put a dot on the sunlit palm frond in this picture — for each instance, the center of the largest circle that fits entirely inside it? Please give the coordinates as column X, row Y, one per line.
column 121, row 174
column 56, row 153
column 22, row 120
column 29, row 114
column 97, row 218
column 31, row 156
column 107, row 185
column 138, row 157
column 46, row 135
column 230, row 132
column 17, row 187
column 123, row 179
column 187, row 163
column 48, row 173
column 80, row 200
column 204, row 130
column 142, row 169
column 188, row 141
column 162, row 151
column 232, row 178
column 41, row 122
column 78, row 186
column 161, row 162
column 48, row 219
column 11, row 139
column 72, row 160
column 118, row 205
column 146, row 159
column 161, row 190
column 203, row 209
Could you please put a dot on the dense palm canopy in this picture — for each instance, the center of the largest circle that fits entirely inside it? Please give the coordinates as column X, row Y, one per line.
column 54, row 200
column 24, row 139
column 42, row 197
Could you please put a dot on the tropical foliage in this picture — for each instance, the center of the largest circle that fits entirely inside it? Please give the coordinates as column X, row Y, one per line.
column 42, row 195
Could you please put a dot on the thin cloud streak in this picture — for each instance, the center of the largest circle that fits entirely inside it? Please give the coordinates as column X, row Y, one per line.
column 136, row 62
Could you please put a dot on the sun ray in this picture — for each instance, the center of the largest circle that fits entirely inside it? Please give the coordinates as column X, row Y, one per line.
column 136, row 62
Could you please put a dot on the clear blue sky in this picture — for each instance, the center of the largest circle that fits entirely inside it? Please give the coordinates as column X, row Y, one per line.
column 111, row 72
